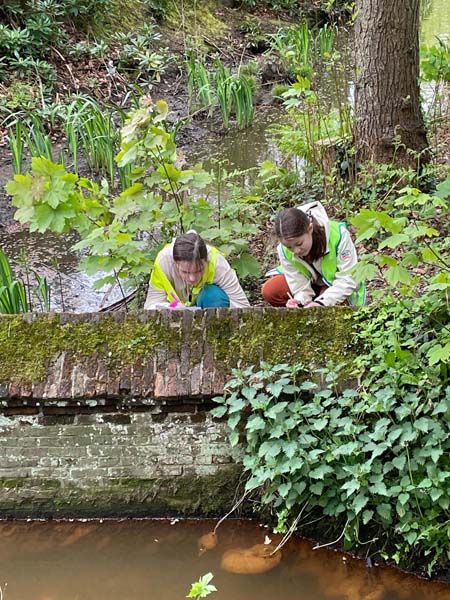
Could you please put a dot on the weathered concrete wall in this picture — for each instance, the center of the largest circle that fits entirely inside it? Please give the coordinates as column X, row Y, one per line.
column 107, row 414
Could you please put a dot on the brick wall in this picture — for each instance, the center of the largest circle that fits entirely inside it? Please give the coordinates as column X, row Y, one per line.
column 109, row 414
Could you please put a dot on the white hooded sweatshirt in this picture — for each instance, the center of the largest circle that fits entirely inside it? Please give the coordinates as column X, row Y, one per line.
column 343, row 286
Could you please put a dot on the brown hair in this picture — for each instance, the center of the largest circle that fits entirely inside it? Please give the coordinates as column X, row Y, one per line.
column 190, row 247
column 293, row 222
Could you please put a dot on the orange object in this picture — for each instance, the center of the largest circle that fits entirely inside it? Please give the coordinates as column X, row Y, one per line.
column 246, row 561
column 208, row 541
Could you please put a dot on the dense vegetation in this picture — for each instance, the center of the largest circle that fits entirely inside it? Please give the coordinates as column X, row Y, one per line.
column 373, row 459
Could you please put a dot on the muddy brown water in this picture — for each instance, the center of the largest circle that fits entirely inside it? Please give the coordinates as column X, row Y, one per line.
column 159, row 560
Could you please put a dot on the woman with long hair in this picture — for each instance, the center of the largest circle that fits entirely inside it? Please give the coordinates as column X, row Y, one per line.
column 316, row 256
column 188, row 272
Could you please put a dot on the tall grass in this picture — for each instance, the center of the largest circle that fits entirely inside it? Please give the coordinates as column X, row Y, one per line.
column 242, row 95
column 198, row 81
column 222, row 80
column 16, row 146
column 13, row 297
column 37, row 139
column 325, row 39
column 16, row 295
column 93, row 129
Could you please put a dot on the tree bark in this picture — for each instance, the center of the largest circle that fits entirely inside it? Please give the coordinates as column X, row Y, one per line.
column 389, row 121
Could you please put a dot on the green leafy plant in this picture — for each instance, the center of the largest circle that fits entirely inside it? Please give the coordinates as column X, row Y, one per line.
column 417, row 244
column 16, row 295
column 202, row 588
column 122, row 234
column 435, row 62
column 232, row 92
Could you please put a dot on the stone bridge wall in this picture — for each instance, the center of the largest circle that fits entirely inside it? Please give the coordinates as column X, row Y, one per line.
column 108, row 414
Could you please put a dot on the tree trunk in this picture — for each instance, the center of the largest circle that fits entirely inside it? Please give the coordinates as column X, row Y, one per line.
column 388, row 115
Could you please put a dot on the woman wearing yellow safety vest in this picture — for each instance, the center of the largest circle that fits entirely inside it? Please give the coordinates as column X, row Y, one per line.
column 188, row 272
column 317, row 256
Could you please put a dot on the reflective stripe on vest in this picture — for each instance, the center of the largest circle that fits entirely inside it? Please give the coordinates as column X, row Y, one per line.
column 329, row 263
column 160, row 281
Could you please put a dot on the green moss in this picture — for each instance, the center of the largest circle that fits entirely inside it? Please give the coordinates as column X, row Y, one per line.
column 196, row 18
column 190, row 495
column 28, row 346
column 312, row 337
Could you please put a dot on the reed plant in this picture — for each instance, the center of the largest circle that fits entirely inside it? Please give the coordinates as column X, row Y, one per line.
column 16, row 146
column 235, row 95
column 42, row 291
column 91, row 130
column 222, row 81
column 325, row 39
column 242, row 97
column 99, row 137
column 293, row 45
column 37, row 138
column 13, row 296
column 198, row 81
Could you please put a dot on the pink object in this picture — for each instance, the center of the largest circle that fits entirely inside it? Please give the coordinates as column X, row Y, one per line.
column 174, row 304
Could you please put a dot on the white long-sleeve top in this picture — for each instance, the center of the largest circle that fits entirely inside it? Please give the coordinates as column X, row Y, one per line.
column 224, row 277
column 343, row 286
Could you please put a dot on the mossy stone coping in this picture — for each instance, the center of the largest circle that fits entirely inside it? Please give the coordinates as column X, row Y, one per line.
column 219, row 339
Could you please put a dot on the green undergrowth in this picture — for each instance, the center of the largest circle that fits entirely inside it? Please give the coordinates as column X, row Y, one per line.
column 371, row 463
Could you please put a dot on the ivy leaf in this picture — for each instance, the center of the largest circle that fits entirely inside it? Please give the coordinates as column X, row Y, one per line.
column 275, row 410
column 351, row 487
column 319, row 424
column 379, row 488
column 367, row 516
column 219, row 412
column 359, row 502
column 284, row 489
column 249, row 392
column 275, row 388
column 300, row 487
column 255, row 423
column 423, row 424
column 403, row 499
column 384, row 510
column 399, row 462
column 317, row 488
column 234, row 438
column 320, row 472
column 435, row 454
column 297, row 464
column 290, row 448
column 436, row 493
column 233, row 420
column 236, row 405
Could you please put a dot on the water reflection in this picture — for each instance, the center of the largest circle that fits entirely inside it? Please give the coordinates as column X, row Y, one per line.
column 435, row 21
column 51, row 256
column 159, row 559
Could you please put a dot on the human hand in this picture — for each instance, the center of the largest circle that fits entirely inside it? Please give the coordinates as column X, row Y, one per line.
column 176, row 303
column 312, row 304
column 292, row 303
